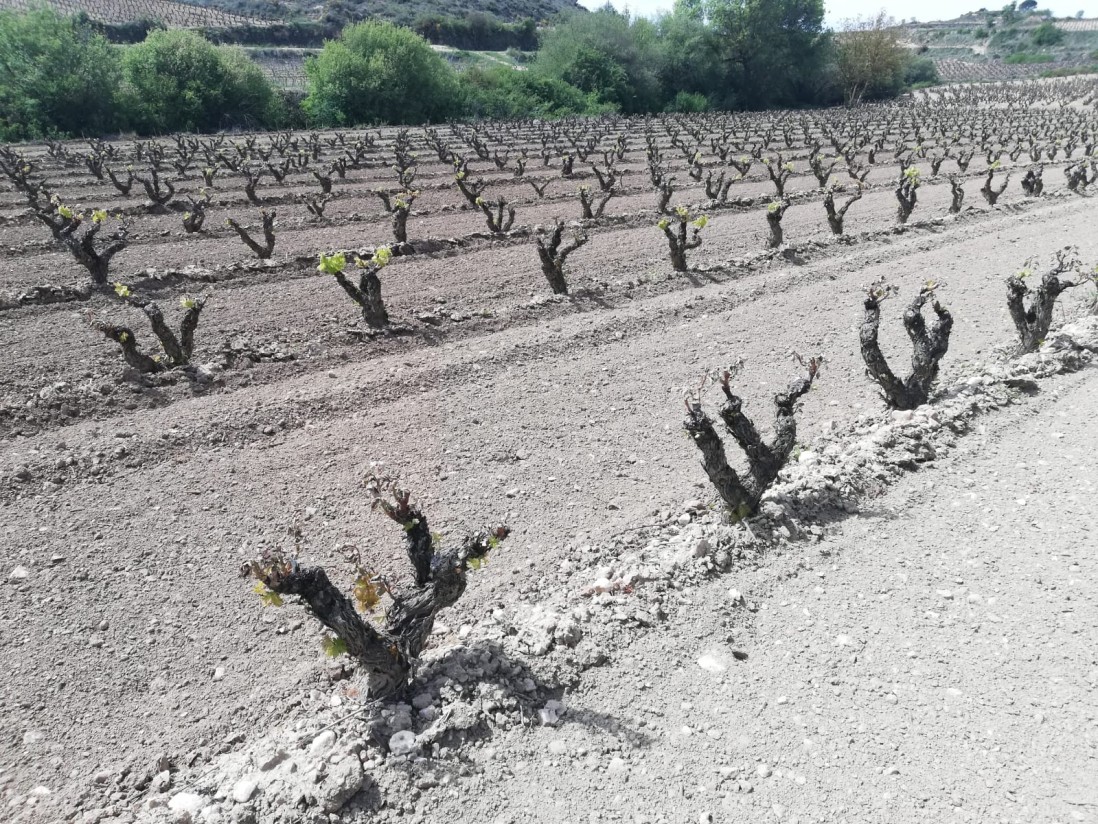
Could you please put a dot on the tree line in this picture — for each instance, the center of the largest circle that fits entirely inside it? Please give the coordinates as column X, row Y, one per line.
column 59, row 76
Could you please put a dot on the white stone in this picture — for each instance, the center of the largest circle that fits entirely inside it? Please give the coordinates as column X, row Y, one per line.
column 187, row 803
column 550, row 714
column 219, row 673
column 763, row 771
column 322, row 743
column 244, row 789
column 712, row 663
column 20, row 573
column 403, row 743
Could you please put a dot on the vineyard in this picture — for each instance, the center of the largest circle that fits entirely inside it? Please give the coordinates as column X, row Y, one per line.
column 170, row 13
column 284, row 67
column 208, row 341
column 1077, row 25
column 952, row 70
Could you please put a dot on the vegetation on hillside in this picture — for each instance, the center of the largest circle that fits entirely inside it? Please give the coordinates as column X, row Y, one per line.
column 59, row 77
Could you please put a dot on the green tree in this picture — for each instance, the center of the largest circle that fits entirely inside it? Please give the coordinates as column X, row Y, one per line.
column 870, row 59
column 607, row 54
column 775, row 49
column 57, row 77
column 178, row 81
column 690, row 59
column 379, row 73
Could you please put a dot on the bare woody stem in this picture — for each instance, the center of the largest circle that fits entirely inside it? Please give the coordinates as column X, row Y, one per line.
column 553, row 257
column 1033, row 322
column 262, row 251
column 743, row 492
column 389, row 652
column 929, row 348
column 367, row 294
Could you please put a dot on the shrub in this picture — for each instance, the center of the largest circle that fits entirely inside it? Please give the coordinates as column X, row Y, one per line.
column 87, row 248
column 775, row 211
column 178, row 81
column 835, row 217
column 502, row 93
column 920, row 73
column 1047, row 34
column 688, row 102
column 377, row 72
column 606, row 54
column 57, row 77
column 990, row 192
column 907, row 192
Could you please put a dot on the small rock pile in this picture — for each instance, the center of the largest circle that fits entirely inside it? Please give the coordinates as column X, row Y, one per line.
column 365, row 755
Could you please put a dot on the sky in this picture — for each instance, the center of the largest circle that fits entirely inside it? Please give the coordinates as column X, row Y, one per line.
column 837, row 10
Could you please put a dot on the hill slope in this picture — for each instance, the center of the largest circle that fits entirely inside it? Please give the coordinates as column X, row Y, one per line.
column 233, row 13
column 995, row 46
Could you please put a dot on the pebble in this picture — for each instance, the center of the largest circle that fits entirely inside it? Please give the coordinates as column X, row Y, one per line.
column 711, row 663
column 244, row 789
column 322, row 743
column 20, row 573
column 186, row 802
column 763, row 771
column 219, row 674
column 403, row 743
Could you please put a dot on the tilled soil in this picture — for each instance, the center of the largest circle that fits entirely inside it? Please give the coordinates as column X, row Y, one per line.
column 131, row 507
